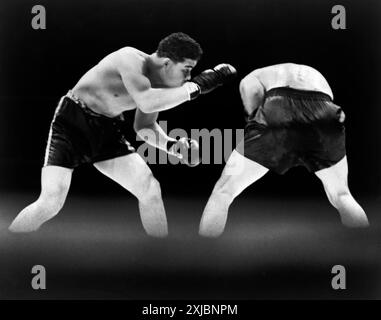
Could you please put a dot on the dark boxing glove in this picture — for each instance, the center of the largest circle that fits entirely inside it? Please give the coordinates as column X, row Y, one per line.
column 187, row 150
column 210, row 79
column 192, row 157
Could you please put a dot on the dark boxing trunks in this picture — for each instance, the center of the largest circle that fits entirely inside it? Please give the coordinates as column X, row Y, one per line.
column 78, row 135
column 295, row 127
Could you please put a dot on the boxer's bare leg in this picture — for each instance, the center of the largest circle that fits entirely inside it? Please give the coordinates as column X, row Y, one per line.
column 55, row 184
column 237, row 175
column 335, row 183
column 133, row 174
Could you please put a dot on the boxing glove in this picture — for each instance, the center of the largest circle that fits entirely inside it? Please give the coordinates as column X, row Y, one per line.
column 210, row 79
column 186, row 149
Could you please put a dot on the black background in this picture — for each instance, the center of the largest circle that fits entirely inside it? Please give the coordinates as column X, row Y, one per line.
column 38, row 66
column 95, row 250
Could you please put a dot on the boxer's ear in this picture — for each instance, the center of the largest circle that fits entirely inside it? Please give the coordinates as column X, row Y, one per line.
column 166, row 62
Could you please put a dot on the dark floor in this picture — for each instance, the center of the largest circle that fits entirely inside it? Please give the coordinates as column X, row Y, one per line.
column 273, row 248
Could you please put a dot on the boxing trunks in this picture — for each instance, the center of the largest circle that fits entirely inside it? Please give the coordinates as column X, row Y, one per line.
column 79, row 135
column 295, row 127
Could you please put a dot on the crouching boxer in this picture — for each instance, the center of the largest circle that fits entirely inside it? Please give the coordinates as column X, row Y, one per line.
column 291, row 121
column 89, row 125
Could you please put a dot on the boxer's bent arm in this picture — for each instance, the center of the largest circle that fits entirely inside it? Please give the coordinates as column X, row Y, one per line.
column 252, row 93
column 148, row 130
column 150, row 99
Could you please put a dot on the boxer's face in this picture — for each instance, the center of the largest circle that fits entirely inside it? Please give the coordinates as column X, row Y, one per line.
column 175, row 74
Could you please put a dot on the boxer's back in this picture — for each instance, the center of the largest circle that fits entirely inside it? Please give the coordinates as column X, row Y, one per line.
column 293, row 75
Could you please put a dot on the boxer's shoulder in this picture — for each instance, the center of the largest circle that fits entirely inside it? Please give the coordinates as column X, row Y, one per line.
column 129, row 58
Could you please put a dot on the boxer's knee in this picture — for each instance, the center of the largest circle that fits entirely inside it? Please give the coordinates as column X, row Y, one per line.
column 224, row 190
column 149, row 187
column 53, row 198
column 337, row 195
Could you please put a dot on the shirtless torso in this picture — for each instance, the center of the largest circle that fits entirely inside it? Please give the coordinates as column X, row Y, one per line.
column 102, row 87
column 254, row 86
column 293, row 75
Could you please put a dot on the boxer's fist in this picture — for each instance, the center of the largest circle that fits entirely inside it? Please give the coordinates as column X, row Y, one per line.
column 187, row 150
column 192, row 157
column 210, row 79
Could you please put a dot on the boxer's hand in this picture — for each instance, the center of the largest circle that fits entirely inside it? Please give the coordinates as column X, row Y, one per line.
column 187, row 150
column 210, row 79
column 192, row 158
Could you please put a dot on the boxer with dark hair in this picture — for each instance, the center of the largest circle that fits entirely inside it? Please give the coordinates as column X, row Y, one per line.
column 291, row 121
column 89, row 126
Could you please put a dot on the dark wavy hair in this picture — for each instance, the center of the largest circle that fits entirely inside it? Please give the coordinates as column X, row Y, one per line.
column 178, row 47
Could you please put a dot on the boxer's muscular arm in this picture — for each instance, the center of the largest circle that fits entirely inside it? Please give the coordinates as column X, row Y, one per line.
column 149, row 130
column 148, row 99
column 252, row 92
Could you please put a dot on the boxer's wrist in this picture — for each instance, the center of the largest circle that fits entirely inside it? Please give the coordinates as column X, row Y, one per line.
column 169, row 145
column 193, row 90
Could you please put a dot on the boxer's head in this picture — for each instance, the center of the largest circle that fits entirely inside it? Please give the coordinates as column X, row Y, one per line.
column 179, row 54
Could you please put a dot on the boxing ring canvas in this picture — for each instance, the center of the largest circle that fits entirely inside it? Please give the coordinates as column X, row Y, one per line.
column 282, row 239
